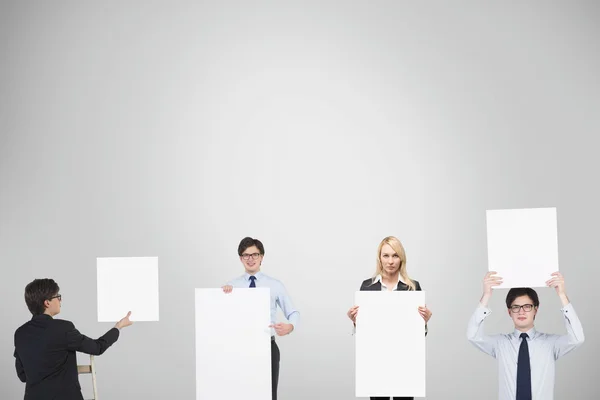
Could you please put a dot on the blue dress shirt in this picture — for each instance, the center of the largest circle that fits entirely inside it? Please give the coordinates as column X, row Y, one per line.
column 279, row 296
column 544, row 350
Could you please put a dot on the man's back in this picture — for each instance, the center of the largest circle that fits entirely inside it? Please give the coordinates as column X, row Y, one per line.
column 45, row 352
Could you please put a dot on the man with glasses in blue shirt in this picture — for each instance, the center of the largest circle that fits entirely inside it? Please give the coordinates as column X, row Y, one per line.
column 526, row 357
column 251, row 252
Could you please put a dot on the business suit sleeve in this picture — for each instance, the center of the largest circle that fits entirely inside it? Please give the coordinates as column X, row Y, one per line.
column 19, row 368
column 574, row 337
column 79, row 342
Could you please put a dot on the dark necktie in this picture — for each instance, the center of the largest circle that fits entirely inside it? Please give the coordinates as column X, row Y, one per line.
column 252, row 279
column 523, row 371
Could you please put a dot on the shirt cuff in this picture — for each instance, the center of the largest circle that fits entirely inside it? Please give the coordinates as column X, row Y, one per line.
column 482, row 312
column 294, row 319
column 567, row 309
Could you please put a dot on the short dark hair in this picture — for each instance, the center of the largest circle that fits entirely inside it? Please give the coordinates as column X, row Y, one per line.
column 518, row 292
column 249, row 242
column 37, row 292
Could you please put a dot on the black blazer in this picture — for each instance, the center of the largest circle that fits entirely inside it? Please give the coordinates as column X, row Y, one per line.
column 366, row 285
column 45, row 357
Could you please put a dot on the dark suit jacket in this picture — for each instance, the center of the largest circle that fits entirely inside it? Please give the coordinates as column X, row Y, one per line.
column 45, row 357
column 366, row 285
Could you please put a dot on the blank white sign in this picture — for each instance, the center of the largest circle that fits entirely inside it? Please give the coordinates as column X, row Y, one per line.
column 233, row 344
column 390, row 344
column 127, row 284
column 522, row 246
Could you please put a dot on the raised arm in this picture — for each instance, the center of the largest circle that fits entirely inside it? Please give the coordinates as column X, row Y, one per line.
column 574, row 337
column 475, row 330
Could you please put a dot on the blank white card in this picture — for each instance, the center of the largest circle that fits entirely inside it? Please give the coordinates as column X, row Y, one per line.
column 390, row 344
column 127, row 284
column 233, row 344
column 522, row 246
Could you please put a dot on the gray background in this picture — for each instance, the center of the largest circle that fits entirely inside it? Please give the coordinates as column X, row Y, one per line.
column 175, row 129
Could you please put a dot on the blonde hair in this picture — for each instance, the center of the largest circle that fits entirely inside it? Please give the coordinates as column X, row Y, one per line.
column 395, row 244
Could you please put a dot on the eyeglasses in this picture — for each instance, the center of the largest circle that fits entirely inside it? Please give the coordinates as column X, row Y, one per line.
column 526, row 307
column 58, row 296
column 253, row 255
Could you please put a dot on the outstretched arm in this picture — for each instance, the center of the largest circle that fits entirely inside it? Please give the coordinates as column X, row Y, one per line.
column 76, row 341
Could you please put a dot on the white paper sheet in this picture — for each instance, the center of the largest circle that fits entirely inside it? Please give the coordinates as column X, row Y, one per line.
column 390, row 344
column 233, row 344
column 127, row 284
column 522, row 246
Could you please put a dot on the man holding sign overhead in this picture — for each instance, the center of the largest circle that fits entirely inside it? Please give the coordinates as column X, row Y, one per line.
column 526, row 357
column 251, row 252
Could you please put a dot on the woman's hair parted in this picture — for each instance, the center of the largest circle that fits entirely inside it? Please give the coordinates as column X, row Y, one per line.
column 395, row 244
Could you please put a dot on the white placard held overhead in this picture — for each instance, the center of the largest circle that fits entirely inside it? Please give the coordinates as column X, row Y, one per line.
column 522, row 246
column 127, row 284
column 390, row 344
column 233, row 344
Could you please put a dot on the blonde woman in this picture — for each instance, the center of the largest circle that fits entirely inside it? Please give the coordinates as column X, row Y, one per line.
column 391, row 274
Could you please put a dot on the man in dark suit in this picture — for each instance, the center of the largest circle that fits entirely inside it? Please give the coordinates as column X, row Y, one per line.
column 45, row 348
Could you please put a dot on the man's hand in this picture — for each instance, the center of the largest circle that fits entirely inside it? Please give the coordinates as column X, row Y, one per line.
column 282, row 329
column 489, row 281
column 352, row 314
column 124, row 322
column 425, row 313
column 558, row 283
column 227, row 288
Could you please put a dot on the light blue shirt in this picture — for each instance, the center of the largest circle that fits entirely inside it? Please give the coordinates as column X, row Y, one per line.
column 279, row 296
column 544, row 350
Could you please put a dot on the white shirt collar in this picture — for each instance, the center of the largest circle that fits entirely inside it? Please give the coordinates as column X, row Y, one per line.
column 378, row 278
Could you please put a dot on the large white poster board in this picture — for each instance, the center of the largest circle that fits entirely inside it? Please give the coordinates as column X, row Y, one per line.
column 233, row 344
column 127, row 284
column 390, row 344
column 522, row 246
